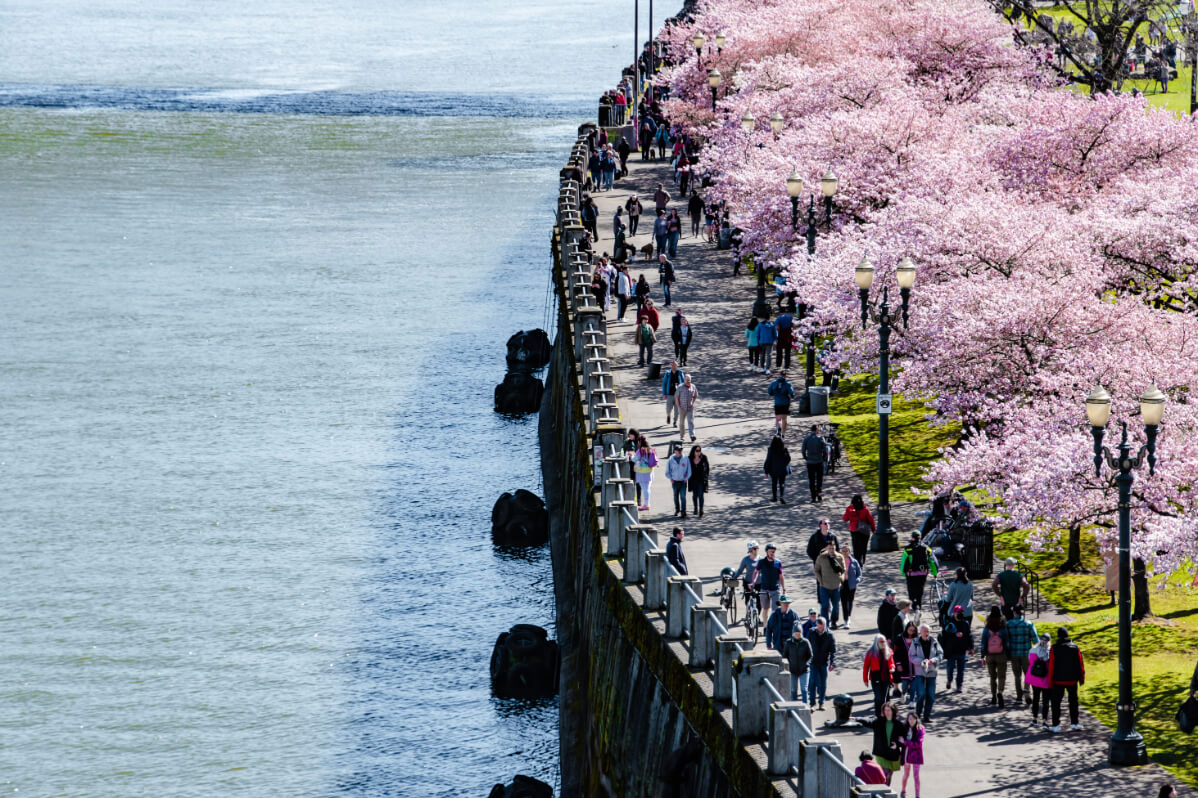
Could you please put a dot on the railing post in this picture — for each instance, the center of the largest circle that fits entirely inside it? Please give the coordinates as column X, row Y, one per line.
column 725, row 655
column 615, row 522
column 809, row 768
column 618, row 489
column 750, row 712
column 656, row 568
column 679, row 601
column 785, row 735
column 703, row 633
column 635, row 547
column 872, row 790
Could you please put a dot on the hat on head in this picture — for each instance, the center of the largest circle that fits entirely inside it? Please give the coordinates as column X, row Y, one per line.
column 813, row 611
column 769, row 546
column 1062, row 634
column 752, row 545
column 890, row 591
column 784, row 599
column 957, row 609
column 1045, row 637
column 915, row 535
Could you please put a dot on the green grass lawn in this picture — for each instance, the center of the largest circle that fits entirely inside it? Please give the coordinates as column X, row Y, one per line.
column 1164, row 647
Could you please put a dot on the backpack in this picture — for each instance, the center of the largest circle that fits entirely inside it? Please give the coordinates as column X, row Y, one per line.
column 1039, row 668
column 994, row 645
column 919, row 559
column 646, row 335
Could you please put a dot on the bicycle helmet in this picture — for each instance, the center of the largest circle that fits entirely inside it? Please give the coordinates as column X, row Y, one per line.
column 726, row 573
column 752, row 545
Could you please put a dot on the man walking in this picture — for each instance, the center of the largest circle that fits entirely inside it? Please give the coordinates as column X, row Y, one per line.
column 797, row 652
column 684, row 399
column 823, row 659
column 674, row 553
column 1023, row 638
column 766, row 335
column 769, row 579
column 781, row 625
column 782, row 392
column 669, row 386
column 917, row 563
column 815, row 454
column 1010, row 587
column 660, row 199
column 623, row 292
column 957, row 641
column 665, row 276
column 1066, row 670
column 678, row 471
column 829, row 574
column 926, row 655
column 887, row 612
column 784, row 325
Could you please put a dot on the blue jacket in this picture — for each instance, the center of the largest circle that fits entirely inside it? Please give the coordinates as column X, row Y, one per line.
column 666, row 388
column 852, row 571
column 1006, row 641
column 779, row 628
column 781, row 390
column 766, row 333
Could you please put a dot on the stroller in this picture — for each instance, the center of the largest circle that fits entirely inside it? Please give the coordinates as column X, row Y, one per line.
column 943, row 530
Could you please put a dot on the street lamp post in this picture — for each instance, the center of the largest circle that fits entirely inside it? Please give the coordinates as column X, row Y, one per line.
column 827, row 186
column 713, row 80
column 699, row 41
column 794, row 187
column 811, row 226
column 884, row 537
column 720, row 38
column 1126, row 745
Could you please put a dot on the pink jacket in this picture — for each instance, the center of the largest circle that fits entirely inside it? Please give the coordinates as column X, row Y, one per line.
column 1036, row 681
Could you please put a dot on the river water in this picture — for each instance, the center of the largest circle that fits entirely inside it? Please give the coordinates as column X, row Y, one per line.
column 258, row 264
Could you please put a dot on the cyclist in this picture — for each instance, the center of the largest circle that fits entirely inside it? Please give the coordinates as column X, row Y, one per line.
column 769, row 580
column 748, row 568
column 917, row 564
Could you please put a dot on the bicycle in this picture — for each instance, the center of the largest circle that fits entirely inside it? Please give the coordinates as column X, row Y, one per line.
column 940, row 592
column 752, row 613
column 728, row 598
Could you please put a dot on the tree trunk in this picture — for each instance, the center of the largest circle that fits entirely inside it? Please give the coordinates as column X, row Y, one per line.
column 1073, row 554
column 1139, row 582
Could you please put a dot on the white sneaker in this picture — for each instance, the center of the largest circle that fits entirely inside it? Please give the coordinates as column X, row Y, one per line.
column 847, row 625
column 1077, row 727
column 1056, row 729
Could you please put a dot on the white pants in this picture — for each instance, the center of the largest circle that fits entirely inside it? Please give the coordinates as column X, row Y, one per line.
column 644, row 480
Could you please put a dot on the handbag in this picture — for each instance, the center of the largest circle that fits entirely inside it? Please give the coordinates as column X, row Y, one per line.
column 1187, row 715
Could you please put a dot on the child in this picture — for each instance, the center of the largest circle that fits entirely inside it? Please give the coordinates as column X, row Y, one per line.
column 913, row 751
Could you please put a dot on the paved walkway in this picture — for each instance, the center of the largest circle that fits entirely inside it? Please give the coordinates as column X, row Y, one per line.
column 972, row 749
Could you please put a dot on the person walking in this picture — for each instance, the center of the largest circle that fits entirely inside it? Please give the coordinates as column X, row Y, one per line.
column 623, row 292
column 769, row 580
column 926, row 655
column 665, row 277
column 661, row 229
column 1066, row 670
column 878, row 671
column 673, row 231
column 960, row 594
column 643, row 464
column 784, row 326
column 904, row 668
column 913, row 751
column 917, row 563
column 678, row 471
column 623, row 149
column 618, row 227
column 1010, row 586
column 646, row 338
column 887, row 612
column 869, row 771
column 956, row 638
column 829, row 574
column 852, row 577
column 694, row 207
column 660, row 199
column 766, row 335
column 685, row 399
column 700, row 469
column 634, row 208
column 888, row 746
column 823, row 660
column 782, row 392
column 797, row 653
column 996, row 643
column 1037, row 680
column 1022, row 634
column 751, row 342
column 815, row 454
column 669, row 386
column 681, row 334
column 819, row 540
column 641, row 292
column 674, row 551
column 777, row 466
column 861, row 526
column 781, row 625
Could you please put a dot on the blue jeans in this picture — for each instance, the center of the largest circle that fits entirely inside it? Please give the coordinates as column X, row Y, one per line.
column 661, row 244
column 798, row 686
column 924, row 690
column 829, row 604
column 679, row 496
column 958, row 664
column 609, row 178
column 818, row 686
column 673, row 240
column 665, row 290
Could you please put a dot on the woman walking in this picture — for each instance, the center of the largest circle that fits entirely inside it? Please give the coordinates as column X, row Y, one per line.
column 777, row 466
column 681, row 334
column 751, row 341
column 1037, row 678
column 888, row 746
column 673, row 231
column 695, row 208
column 878, row 671
column 903, row 668
column 848, row 590
column 617, row 225
column 960, row 594
column 643, row 464
column 634, row 208
column 861, row 526
column 700, row 469
column 913, row 751
column 996, row 645
column 642, row 293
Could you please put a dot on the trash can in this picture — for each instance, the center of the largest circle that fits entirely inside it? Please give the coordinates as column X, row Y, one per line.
column 604, row 115
column 654, row 371
column 843, row 705
column 979, row 550
column 819, row 399
column 725, row 241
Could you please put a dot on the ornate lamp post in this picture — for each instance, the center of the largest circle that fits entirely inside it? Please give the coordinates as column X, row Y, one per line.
column 1126, row 746
column 699, row 41
column 794, row 187
column 720, row 38
column 747, row 123
column 776, row 124
column 827, row 186
column 713, row 80
column 884, row 538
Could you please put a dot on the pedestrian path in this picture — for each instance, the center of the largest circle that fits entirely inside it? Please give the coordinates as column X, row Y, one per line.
column 971, row 749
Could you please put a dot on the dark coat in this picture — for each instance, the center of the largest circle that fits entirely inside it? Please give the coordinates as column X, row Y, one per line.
column 776, row 464
column 798, row 654
column 817, row 542
column 953, row 645
column 888, row 747
column 1065, row 665
column 886, row 615
column 699, row 473
column 823, row 649
column 780, row 628
column 675, row 556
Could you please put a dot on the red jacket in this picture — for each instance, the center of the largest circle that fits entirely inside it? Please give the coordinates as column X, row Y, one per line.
column 857, row 517
column 872, row 665
column 1065, row 664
